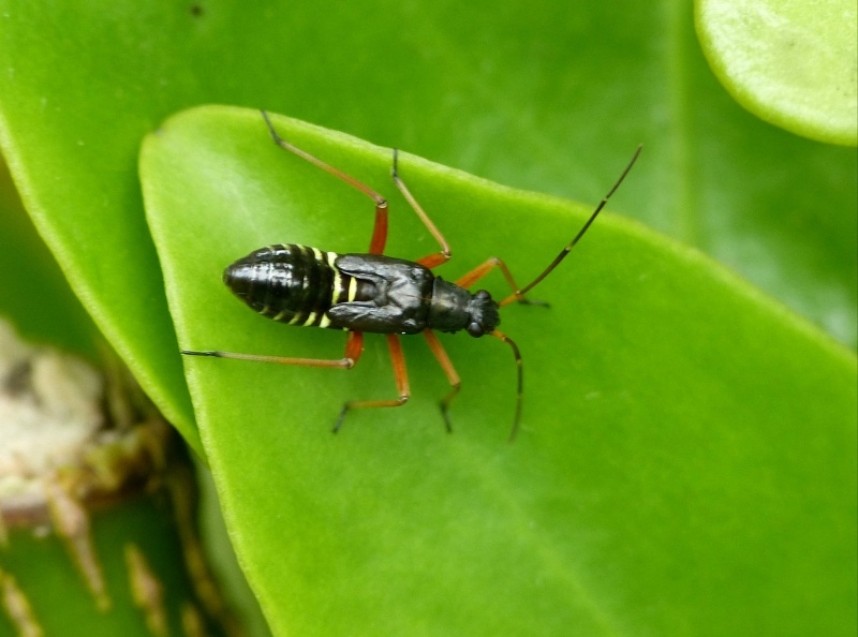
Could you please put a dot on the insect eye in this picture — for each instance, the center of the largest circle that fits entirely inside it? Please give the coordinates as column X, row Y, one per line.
column 475, row 329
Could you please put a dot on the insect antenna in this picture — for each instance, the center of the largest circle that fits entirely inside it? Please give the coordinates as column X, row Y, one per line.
column 518, row 295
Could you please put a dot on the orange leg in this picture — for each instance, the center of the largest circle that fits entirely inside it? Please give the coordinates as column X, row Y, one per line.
column 354, row 349
column 436, row 258
column 400, row 375
column 449, row 371
column 469, row 279
column 379, row 231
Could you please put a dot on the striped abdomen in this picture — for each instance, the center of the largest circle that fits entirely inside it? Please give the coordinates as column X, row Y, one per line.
column 290, row 283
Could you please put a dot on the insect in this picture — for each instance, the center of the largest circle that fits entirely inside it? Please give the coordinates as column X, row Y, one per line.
column 372, row 292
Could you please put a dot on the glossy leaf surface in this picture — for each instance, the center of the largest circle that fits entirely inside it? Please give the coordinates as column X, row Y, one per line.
column 687, row 455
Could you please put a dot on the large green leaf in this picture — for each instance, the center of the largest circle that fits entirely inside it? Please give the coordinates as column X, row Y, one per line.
column 687, row 460
column 35, row 298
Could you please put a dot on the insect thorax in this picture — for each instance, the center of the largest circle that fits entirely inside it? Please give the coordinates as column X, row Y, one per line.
column 454, row 308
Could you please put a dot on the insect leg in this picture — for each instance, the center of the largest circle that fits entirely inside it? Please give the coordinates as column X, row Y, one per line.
column 400, row 375
column 379, row 231
column 436, row 258
column 353, row 351
column 467, row 280
column 444, row 361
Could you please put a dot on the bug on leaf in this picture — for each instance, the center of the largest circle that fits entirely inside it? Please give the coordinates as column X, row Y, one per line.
column 372, row 292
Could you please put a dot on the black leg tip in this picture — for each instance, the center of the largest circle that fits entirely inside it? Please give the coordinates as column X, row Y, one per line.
column 339, row 422
column 526, row 301
column 394, row 172
column 447, row 424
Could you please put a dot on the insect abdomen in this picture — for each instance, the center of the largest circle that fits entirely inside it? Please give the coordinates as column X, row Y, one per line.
column 289, row 283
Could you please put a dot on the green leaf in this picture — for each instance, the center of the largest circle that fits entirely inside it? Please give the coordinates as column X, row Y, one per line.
column 686, row 464
column 52, row 314
column 792, row 63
